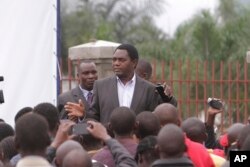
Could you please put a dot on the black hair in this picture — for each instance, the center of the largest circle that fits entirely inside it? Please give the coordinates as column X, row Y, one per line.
column 31, row 133
column 50, row 113
column 148, row 124
column 122, row 120
column 144, row 67
column 8, row 148
column 132, row 51
column 5, row 130
column 23, row 111
column 146, row 147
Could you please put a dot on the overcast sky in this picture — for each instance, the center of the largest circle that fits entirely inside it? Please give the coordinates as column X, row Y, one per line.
column 177, row 11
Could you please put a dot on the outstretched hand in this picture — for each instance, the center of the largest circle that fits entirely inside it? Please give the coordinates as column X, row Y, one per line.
column 75, row 109
column 62, row 133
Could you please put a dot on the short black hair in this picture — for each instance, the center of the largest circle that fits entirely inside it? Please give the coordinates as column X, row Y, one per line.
column 50, row 113
column 32, row 133
column 8, row 148
column 146, row 147
column 149, row 124
column 5, row 130
column 22, row 111
column 122, row 120
column 132, row 51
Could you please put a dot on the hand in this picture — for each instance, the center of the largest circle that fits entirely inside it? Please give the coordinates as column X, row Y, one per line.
column 211, row 115
column 213, row 111
column 74, row 109
column 62, row 133
column 97, row 130
column 167, row 90
column 73, row 118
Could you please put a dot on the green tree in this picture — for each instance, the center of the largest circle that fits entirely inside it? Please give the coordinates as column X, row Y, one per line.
column 116, row 20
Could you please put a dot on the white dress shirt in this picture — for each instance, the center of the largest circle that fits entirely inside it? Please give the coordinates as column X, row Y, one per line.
column 125, row 92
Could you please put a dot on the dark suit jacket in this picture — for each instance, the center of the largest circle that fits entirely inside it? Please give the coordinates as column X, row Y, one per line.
column 105, row 98
column 70, row 96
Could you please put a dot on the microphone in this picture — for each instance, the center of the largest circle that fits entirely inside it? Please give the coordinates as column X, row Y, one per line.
column 1, row 78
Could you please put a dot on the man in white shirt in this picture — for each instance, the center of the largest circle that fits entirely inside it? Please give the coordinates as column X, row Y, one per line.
column 125, row 88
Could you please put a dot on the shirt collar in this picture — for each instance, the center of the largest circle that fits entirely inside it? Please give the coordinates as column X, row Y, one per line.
column 84, row 91
column 129, row 82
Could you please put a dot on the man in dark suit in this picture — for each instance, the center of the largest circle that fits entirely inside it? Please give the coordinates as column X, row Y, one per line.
column 87, row 75
column 125, row 88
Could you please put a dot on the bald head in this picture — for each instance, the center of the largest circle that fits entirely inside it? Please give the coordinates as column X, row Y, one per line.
column 144, row 69
column 194, row 129
column 64, row 148
column 233, row 132
column 171, row 141
column 77, row 158
column 167, row 113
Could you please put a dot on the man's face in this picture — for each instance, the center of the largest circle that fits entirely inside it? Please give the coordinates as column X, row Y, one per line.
column 87, row 75
column 122, row 64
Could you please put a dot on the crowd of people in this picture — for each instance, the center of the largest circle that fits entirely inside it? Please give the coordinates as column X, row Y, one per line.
column 119, row 121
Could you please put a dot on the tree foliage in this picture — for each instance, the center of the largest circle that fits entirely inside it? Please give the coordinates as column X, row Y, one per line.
column 115, row 20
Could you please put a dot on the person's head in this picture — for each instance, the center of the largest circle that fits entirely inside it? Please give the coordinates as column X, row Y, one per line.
column 146, row 152
column 22, row 111
column 32, row 135
column 122, row 121
column 8, row 150
column 5, row 130
column 51, row 114
column 233, row 132
column 170, row 142
column 229, row 140
column 77, row 158
column 148, row 124
column 124, row 62
column 195, row 129
column 167, row 113
column 87, row 74
column 246, row 144
column 63, row 149
column 242, row 136
column 144, row 69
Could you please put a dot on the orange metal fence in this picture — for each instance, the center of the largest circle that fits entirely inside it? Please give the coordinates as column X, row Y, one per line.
column 194, row 81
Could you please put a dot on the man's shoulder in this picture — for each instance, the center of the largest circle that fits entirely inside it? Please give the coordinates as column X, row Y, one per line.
column 105, row 80
column 144, row 82
column 68, row 93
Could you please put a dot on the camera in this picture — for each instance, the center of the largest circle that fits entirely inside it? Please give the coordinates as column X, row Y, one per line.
column 215, row 103
column 79, row 129
column 160, row 90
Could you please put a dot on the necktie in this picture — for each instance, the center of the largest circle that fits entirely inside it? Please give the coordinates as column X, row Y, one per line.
column 89, row 97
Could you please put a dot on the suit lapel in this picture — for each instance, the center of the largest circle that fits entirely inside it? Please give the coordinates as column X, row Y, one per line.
column 138, row 93
column 114, row 92
column 77, row 94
